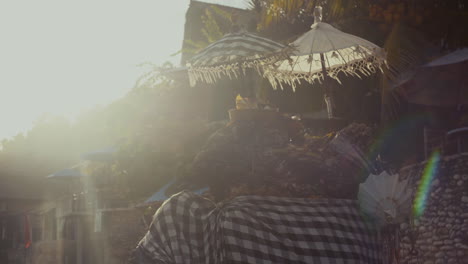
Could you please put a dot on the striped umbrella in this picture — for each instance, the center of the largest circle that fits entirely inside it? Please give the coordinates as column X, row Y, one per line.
column 231, row 56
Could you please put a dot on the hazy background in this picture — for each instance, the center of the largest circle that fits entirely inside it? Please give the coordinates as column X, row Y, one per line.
column 62, row 57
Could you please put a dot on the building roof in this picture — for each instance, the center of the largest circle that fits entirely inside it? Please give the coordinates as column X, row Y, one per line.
column 451, row 58
column 66, row 174
column 240, row 4
column 104, row 155
column 161, row 195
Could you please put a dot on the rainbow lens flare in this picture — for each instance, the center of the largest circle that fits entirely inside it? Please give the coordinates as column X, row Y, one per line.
column 424, row 187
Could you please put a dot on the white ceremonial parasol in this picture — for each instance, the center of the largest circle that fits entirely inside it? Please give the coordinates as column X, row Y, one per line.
column 385, row 199
column 231, row 56
column 326, row 51
column 387, row 202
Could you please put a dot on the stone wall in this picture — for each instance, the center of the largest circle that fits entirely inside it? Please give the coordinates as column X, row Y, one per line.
column 441, row 234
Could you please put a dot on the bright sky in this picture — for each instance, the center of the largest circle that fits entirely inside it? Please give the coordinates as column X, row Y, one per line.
column 63, row 57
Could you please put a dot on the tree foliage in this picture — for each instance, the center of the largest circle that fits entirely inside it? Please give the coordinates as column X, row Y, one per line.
column 216, row 22
column 160, row 124
column 157, row 128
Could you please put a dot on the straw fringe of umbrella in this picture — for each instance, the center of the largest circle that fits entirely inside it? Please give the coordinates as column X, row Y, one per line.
column 323, row 53
column 354, row 66
column 210, row 74
column 232, row 55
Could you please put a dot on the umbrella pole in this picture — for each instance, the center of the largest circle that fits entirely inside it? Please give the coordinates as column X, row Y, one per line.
column 327, row 95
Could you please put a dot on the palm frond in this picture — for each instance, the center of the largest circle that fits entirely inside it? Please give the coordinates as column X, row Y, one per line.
column 211, row 28
column 406, row 49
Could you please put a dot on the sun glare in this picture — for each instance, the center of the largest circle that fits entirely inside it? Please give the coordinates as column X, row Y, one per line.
column 63, row 58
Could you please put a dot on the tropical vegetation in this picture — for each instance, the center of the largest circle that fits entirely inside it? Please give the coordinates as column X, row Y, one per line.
column 160, row 124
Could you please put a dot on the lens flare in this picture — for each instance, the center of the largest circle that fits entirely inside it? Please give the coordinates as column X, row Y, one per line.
column 391, row 136
column 425, row 186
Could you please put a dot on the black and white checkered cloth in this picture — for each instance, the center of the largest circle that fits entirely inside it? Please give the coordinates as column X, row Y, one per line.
column 254, row 229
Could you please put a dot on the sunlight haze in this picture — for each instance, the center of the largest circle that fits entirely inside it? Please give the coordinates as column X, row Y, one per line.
column 63, row 57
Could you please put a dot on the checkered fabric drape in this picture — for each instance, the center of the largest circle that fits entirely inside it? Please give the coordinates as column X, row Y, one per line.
column 254, row 229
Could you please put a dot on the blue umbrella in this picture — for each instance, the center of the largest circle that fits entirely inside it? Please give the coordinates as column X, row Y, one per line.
column 161, row 194
column 106, row 154
column 66, row 174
